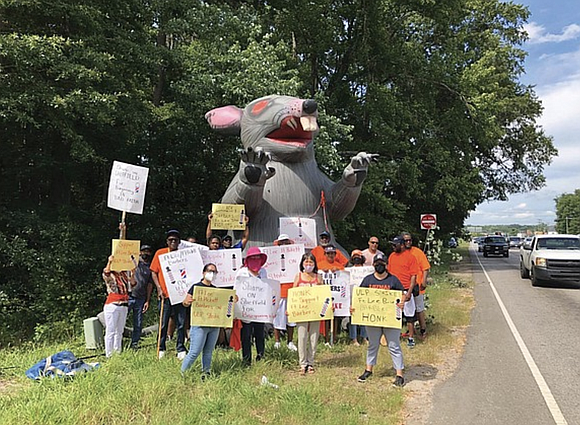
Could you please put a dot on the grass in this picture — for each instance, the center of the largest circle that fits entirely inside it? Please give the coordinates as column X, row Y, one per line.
column 136, row 388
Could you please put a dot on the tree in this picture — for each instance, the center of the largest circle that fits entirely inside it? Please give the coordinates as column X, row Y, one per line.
column 568, row 213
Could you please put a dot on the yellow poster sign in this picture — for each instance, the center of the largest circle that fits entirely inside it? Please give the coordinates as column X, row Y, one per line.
column 125, row 254
column 212, row 307
column 310, row 303
column 376, row 307
column 228, row 217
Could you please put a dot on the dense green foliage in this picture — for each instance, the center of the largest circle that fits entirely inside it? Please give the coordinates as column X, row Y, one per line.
column 430, row 86
column 568, row 213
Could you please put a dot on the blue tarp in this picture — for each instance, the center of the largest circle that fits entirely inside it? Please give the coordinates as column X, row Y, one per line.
column 63, row 363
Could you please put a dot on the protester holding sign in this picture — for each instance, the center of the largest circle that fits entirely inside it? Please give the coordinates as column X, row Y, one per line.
column 202, row 338
column 307, row 331
column 173, row 240
column 116, row 306
column 141, row 294
column 381, row 279
column 227, row 240
column 255, row 259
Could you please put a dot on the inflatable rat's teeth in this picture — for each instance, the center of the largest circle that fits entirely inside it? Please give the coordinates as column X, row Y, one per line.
column 292, row 124
column 308, row 123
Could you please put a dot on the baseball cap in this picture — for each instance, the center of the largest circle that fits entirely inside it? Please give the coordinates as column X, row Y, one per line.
column 379, row 257
column 173, row 232
column 398, row 240
column 325, row 233
column 329, row 248
column 145, row 248
column 356, row 253
column 226, row 237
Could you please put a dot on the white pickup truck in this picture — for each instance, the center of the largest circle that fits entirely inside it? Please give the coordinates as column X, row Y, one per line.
column 551, row 258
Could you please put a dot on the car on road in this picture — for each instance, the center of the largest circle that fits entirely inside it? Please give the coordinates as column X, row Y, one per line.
column 496, row 245
column 515, row 241
column 551, row 258
column 480, row 243
column 452, row 243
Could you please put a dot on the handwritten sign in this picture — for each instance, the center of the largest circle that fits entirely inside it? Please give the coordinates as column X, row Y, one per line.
column 212, row 307
column 357, row 274
column 258, row 299
column 227, row 262
column 339, row 283
column 181, row 269
column 228, row 217
column 283, row 261
column 300, row 230
column 186, row 244
column 122, row 251
column 309, row 303
column 127, row 187
column 376, row 307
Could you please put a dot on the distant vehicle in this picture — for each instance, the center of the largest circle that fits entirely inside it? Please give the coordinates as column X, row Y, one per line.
column 480, row 243
column 515, row 241
column 452, row 243
column 551, row 258
column 495, row 245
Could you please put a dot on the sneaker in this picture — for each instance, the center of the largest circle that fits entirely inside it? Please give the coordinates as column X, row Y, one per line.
column 327, row 344
column 366, row 375
column 277, row 345
column 399, row 381
column 355, row 342
column 205, row 376
column 292, row 347
column 161, row 354
column 423, row 334
column 181, row 355
column 411, row 343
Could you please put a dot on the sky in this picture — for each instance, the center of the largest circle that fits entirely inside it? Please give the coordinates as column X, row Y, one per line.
column 553, row 67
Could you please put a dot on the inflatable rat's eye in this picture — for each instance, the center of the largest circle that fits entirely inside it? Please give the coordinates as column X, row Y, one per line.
column 259, row 107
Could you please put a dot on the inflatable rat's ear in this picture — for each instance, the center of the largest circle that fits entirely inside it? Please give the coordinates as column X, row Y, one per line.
column 225, row 120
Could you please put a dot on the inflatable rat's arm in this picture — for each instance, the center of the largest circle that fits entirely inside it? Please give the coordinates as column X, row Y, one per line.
column 248, row 185
column 345, row 193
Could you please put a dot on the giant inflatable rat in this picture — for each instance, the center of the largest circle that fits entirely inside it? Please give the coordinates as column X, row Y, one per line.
column 278, row 174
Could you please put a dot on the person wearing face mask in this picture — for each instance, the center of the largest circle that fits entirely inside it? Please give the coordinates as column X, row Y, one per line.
column 202, row 338
column 253, row 267
column 381, row 279
column 173, row 240
column 140, row 295
column 307, row 331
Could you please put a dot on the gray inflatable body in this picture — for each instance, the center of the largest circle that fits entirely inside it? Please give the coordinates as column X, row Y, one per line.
column 278, row 174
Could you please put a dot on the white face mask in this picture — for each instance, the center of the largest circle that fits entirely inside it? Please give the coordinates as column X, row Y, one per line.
column 209, row 276
column 308, row 268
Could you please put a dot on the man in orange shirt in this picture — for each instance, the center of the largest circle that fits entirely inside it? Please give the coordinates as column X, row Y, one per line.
column 405, row 266
column 424, row 268
column 318, row 251
column 178, row 310
column 326, row 267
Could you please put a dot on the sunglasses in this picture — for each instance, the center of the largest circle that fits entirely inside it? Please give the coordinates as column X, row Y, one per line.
column 408, row 240
column 374, row 243
column 172, row 239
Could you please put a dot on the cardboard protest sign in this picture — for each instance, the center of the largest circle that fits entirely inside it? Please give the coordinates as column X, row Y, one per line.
column 181, row 269
column 127, row 187
column 185, row 244
column 309, row 304
column 357, row 274
column 376, row 307
column 339, row 283
column 212, row 307
column 227, row 217
column 283, row 261
column 258, row 299
column 125, row 254
column 300, row 230
column 227, row 262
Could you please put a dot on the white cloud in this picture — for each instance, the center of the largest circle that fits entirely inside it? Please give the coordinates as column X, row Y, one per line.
column 538, row 33
column 521, row 206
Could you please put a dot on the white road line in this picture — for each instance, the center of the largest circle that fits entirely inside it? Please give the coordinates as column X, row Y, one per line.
column 540, row 381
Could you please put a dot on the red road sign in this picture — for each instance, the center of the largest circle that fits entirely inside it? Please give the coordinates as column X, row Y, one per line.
column 428, row 221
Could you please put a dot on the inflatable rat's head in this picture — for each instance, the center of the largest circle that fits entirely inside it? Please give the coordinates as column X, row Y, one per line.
column 282, row 125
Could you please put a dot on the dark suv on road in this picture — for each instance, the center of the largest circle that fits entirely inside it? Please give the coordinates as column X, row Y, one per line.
column 496, row 245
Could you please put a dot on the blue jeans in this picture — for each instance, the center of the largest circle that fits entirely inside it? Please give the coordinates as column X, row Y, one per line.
column 178, row 310
column 353, row 329
column 136, row 307
column 202, row 341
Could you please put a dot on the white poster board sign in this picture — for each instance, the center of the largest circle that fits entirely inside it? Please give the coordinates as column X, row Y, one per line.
column 339, row 282
column 127, row 187
column 357, row 274
column 181, row 269
column 186, row 244
column 283, row 261
column 300, row 230
column 257, row 299
column 227, row 262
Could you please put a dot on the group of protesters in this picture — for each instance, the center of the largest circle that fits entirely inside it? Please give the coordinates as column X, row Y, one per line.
column 405, row 270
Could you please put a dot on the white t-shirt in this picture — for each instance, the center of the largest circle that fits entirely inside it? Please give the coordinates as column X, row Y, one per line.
column 369, row 257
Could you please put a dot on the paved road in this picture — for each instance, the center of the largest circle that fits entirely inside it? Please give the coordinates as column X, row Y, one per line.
column 494, row 383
